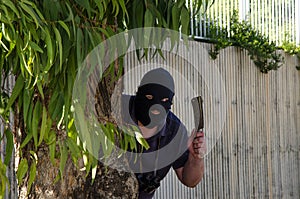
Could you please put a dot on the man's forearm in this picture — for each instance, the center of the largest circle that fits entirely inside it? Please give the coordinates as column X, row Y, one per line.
column 193, row 171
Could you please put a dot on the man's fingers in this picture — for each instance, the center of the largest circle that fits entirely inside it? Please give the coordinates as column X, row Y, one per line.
column 199, row 146
column 198, row 150
column 198, row 140
column 197, row 143
column 198, row 134
column 199, row 137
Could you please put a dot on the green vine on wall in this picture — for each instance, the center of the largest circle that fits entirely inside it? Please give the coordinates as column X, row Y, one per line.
column 242, row 34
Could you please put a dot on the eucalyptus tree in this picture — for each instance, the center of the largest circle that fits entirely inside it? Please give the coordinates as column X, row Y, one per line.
column 43, row 43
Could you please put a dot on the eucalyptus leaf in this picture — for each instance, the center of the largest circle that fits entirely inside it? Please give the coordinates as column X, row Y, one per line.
column 9, row 146
column 65, row 27
column 50, row 50
column 63, row 158
column 43, row 125
column 79, row 40
column 12, row 6
column 40, row 87
column 60, row 47
column 122, row 3
column 185, row 20
column 140, row 138
column 175, row 18
column 26, row 140
column 29, row 10
column 22, row 170
column 149, row 19
column 35, row 47
column 74, row 148
column 35, row 122
column 32, row 175
column 4, row 183
column 16, row 91
column 52, row 146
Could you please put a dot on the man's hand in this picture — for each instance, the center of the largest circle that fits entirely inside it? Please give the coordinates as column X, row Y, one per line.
column 197, row 144
column 193, row 170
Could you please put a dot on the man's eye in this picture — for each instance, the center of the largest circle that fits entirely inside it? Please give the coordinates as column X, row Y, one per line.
column 149, row 97
column 165, row 99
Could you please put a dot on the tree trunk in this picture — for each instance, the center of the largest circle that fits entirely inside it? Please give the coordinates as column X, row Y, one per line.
column 109, row 183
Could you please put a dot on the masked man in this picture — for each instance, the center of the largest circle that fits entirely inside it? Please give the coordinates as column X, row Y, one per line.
column 167, row 137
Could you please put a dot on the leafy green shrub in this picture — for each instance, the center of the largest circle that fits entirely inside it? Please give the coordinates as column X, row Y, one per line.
column 242, row 34
column 291, row 49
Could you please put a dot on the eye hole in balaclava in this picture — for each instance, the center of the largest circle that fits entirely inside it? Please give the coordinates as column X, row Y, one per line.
column 154, row 98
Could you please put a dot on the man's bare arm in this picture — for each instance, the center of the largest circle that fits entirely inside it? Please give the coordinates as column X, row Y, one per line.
column 193, row 170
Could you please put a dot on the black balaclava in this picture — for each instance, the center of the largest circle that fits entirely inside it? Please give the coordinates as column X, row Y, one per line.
column 160, row 84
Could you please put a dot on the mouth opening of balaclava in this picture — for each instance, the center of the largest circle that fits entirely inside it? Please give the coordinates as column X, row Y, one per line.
column 154, row 98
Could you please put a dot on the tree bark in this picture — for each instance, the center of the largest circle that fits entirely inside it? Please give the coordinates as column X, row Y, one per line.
column 109, row 183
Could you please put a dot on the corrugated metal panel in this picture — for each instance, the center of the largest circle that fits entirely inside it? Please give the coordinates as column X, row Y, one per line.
column 257, row 155
column 297, row 21
column 274, row 18
column 11, row 191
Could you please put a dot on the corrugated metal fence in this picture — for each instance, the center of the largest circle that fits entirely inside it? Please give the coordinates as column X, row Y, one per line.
column 274, row 18
column 257, row 154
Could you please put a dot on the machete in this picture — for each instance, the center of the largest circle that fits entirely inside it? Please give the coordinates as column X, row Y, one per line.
column 197, row 103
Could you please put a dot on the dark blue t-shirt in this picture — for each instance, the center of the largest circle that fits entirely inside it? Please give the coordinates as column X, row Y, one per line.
column 168, row 148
